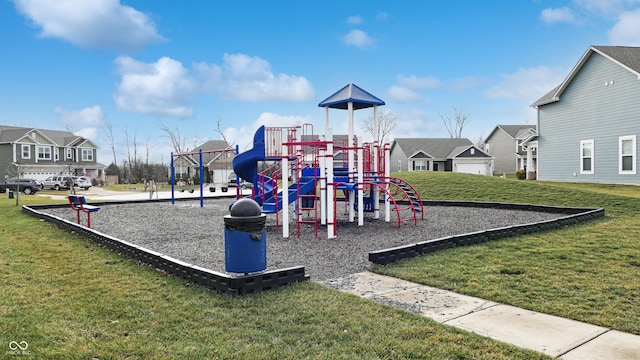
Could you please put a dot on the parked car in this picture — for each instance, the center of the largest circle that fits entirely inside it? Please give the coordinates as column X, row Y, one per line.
column 231, row 179
column 82, row 182
column 56, row 182
column 27, row 186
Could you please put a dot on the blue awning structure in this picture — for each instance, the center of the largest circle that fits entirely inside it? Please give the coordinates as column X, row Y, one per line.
column 351, row 93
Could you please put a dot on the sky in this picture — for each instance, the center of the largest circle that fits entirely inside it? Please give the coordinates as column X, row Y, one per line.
column 206, row 68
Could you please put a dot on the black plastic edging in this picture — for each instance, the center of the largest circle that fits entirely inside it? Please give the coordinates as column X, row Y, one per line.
column 575, row 215
column 220, row 282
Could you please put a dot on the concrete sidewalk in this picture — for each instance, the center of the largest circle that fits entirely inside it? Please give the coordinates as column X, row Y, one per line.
column 555, row 336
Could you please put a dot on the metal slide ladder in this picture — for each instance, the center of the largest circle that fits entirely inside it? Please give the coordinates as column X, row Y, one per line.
column 410, row 193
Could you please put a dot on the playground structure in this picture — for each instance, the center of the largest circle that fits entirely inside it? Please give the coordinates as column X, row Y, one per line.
column 306, row 165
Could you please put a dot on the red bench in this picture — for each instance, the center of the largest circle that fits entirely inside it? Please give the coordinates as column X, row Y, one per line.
column 79, row 203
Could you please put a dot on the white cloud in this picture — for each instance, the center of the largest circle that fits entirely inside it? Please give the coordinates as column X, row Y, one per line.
column 627, row 30
column 89, row 116
column 414, row 123
column 418, row 83
column 563, row 14
column 359, row 38
column 92, row 24
column 407, row 88
column 246, row 78
column 606, row 7
column 403, row 94
column 88, row 133
column 354, row 20
column 154, row 88
column 526, row 84
column 243, row 136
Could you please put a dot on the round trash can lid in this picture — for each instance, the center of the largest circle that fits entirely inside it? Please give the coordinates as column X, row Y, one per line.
column 245, row 207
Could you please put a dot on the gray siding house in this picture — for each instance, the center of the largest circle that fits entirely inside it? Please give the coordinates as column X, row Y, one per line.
column 588, row 125
column 40, row 153
column 505, row 145
column 440, row 154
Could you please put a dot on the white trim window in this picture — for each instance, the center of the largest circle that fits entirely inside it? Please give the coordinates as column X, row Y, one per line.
column 627, row 151
column 87, row 154
column 420, row 165
column 26, row 151
column 44, row 152
column 586, row 156
column 69, row 153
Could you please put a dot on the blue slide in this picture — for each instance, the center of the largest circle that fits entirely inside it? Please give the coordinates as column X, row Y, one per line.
column 245, row 165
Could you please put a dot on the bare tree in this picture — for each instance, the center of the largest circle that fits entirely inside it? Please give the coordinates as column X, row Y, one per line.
column 147, row 146
column 479, row 141
column 111, row 140
column 455, row 121
column 387, row 121
column 15, row 170
column 177, row 140
column 219, row 130
column 133, row 161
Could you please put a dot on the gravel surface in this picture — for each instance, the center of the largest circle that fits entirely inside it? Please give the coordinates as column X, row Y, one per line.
column 192, row 234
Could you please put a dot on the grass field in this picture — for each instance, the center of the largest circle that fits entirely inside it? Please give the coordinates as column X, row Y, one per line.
column 71, row 299
column 589, row 272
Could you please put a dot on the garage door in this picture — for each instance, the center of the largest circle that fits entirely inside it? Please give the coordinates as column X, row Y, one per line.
column 478, row 169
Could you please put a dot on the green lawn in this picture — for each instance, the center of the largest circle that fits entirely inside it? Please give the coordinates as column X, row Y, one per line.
column 589, row 272
column 70, row 299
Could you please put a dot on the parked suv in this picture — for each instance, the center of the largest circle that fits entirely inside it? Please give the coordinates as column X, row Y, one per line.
column 82, row 182
column 57, row 182
column 27, row 186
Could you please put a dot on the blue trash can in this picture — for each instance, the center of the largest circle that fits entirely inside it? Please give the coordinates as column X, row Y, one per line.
column 245, row 245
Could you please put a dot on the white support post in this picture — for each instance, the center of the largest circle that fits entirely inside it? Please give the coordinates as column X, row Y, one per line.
column 376, row 166
column 326, row 123
column 376, row 143
column 322, row 163
column 285, row 193
column 330, row 186
column 360, row 186
column 387, row 174
column 351, row 165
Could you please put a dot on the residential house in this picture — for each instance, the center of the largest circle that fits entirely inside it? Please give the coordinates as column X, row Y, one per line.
column 217, row 158
column 441, row 154
column 505, row 145
column 588, row 125
column 340, row 144
column 40, row 153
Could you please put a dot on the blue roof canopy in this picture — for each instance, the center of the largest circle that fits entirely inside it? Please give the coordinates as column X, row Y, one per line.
column 351, row 93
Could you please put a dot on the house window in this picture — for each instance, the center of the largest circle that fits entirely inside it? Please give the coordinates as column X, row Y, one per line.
column 473, row 151
column 87, row 155
column 26, row 152
column 420, row 165
column 44, row 153
column 56, row 154
column 69, row 153
column 586, row 156
column 627, row 151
